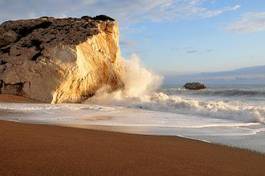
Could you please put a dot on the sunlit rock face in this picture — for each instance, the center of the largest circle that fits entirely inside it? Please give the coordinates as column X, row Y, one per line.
column 59, row 60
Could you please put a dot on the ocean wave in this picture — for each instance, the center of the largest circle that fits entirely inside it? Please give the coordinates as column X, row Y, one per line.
column 232, row 110
column 217, row 109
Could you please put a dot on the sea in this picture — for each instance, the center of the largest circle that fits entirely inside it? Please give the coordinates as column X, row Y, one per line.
column 232, row 115
column 226, row 114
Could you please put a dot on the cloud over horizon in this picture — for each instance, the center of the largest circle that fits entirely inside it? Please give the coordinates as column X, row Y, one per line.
column 248, row 23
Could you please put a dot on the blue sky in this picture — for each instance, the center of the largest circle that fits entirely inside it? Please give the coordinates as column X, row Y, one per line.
column 170, row 35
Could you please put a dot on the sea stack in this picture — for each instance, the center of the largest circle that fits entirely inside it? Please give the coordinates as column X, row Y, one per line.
column 59, row 60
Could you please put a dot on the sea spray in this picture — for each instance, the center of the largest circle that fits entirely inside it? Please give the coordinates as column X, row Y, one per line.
column 139, row 84
column 138, row 80
column 141, row 91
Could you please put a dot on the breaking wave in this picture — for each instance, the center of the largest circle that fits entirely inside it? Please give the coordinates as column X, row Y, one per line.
column 141, row 91
column 216, row 109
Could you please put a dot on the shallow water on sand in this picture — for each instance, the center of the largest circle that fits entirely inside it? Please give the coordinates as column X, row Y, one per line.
column 232, row 132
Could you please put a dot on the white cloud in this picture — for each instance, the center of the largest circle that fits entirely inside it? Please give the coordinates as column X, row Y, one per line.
column 158, row 10
column 249, row 22
column 126, row 11
column 196, row 8
column 220, row 11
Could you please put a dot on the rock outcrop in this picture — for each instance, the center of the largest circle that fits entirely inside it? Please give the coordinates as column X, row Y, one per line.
column 59, row 60
column 194, row 86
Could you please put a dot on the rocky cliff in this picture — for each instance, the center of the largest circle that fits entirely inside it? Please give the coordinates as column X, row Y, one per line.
column 59, row 60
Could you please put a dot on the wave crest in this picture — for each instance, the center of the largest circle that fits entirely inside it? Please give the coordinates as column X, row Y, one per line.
column 216, row 109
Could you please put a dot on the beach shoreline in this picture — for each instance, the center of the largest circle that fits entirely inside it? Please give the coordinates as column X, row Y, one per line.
column 46, row 149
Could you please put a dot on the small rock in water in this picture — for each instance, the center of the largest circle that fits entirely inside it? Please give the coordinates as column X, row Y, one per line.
column 194, row 86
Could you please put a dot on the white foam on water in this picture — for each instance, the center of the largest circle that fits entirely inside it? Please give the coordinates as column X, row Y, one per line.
column 131, row 120
column 120, row 116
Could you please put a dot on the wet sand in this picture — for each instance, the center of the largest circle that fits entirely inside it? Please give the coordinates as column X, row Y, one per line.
column 29, row 149
column 15, row 99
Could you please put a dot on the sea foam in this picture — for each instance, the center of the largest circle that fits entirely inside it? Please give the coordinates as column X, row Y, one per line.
column 141, row 91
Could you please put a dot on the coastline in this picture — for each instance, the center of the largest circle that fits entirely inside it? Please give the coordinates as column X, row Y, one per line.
column 35, row 149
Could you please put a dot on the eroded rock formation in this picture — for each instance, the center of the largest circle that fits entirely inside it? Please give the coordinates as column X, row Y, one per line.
column 59, row 60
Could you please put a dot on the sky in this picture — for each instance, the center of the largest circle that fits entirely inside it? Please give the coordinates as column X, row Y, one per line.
column 170, row 36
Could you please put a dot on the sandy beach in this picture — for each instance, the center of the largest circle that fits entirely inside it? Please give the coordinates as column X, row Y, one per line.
column 31, row 149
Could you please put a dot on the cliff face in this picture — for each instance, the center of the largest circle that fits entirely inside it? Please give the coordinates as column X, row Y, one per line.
column 59, row 60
